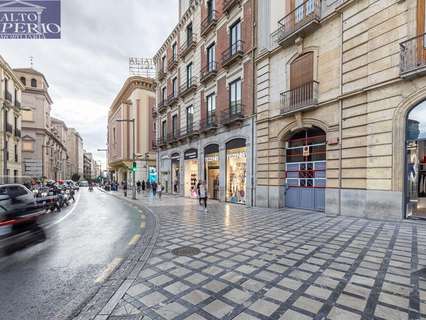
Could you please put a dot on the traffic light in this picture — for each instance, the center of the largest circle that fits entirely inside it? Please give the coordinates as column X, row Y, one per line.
column 134, row 166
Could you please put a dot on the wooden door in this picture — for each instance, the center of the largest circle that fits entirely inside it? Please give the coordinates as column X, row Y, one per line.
column 421, row 44
column 301, row 78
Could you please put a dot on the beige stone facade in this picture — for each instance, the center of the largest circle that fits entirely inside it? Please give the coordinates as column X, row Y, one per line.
column 10, row 124
column 135, row 100
column 361, row 103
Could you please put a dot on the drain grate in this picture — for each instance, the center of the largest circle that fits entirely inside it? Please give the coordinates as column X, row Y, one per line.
column 186, row 251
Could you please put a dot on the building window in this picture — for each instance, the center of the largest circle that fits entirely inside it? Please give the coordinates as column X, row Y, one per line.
column 210, row 9
column 235, row 96
column 163, row 64
column 16, row 153
column 174, row 86
column 174, row 51
column 15, row 176
column 211, row 57
column 163, row 94
column 301, row 79
column 211, row 107
column 174, row 125
column 16, row 123
column 164, row 129
column 28, row 146
column 24, row 81
column 189, row 75
column 6, row 146
column 235, row 37
column 34, row 83
column 189, row 34
column 114, row 139
column 189, row 118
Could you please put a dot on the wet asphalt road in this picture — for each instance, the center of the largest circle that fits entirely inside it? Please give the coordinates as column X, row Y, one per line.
column 39, row 282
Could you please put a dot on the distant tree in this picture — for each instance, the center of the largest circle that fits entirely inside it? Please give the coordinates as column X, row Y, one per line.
column 75, row 177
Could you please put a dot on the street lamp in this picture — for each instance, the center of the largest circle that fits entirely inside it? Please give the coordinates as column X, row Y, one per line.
column 132, row 121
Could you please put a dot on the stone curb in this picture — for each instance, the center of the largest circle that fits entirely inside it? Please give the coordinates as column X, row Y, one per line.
column 104, row 297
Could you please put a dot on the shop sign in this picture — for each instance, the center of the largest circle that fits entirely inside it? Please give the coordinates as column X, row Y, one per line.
column 212, row 157
column 175, row 156
column 191, row 154
column 237, row 155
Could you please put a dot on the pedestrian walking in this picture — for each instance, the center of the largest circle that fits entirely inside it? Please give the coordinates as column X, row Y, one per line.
column 159, row 190
column 143, row 186
column 203, row 194
column 125, row 188
column 198, row 192
column 138, row 185
column 154, row 189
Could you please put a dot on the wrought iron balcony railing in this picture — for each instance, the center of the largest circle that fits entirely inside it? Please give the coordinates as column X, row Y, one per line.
column 172, row 63
column 209, row 122
column 209, row 22
column 235, row 113
column 172, row 99
column 162, row 106
column 233, row 53
column 154, row 112
column 413, row 56
column 190, row 130
column 300, row 98
column 161, row 74
column 228, row 5
column 209, row 71
column 162, row 141
column 154, row 144
column 304, row 18
column 189, row 86
column 188, row 45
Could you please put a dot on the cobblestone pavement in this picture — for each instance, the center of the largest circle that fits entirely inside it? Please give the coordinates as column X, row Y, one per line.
column 277, row 264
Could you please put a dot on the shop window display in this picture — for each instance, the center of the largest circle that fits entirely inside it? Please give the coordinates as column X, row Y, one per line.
column 212, row 174
column 236, row 175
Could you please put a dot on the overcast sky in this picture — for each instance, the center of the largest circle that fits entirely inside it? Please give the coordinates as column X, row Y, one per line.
column 88, row 66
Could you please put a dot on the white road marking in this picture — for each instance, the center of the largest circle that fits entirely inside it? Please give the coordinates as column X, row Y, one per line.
column 68, row 213
column 109, row 269
column 135, row 239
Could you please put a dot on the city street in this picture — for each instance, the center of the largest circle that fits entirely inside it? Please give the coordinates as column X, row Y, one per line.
column 245, row 263
column 85, row 242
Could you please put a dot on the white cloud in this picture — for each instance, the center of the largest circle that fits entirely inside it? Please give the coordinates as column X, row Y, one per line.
column 87, row 67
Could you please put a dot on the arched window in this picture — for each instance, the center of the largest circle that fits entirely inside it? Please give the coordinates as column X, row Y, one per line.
column 34, row 83
column 24, row 81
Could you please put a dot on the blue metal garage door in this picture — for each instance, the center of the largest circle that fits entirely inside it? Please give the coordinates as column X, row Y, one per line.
column 306, row 170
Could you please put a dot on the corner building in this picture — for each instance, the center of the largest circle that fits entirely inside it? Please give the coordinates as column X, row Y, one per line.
column 204, row 112
column 340, row 89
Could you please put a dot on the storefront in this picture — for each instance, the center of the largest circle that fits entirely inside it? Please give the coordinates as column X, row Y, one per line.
column 191, row 173
column 175, row 173
column 236, row 171
column 211, row 170
column 152, row 174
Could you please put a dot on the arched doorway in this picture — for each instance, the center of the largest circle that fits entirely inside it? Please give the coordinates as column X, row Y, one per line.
column 306, row 169
column 415, row 155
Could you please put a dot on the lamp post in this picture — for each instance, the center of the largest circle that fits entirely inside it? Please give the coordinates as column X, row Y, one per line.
column 132, row 121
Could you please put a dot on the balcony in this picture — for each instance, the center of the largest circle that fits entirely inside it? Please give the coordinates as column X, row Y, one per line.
column 234, row 53
column 17, row 133
column 234, row 114
column 162, row 106
column 188, row 45
column 209, row 123
column 190, row 131
column 172, row 99
column 8, row 96
column 413, row 57
column 9, row 128
column 161, row 74
column 17, row 103
column 209, row 23
column 162, row 141
column 173, row 137
column 172, row 64
column 154, row 144
column 228, row 5
column 208, row 72
column 302, row 20
column 189, row 87
column 299, row 99
column 154, row 112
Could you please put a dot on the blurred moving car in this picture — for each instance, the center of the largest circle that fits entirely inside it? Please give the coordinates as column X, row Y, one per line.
column 84, row 184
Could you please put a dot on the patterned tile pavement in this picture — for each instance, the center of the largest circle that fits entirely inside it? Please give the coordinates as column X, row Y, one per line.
column 278, row 264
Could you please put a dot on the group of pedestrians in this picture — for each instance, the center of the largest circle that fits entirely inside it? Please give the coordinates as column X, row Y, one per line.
column 157, row 189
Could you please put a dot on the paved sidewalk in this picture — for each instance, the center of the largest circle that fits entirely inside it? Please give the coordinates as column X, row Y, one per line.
column 276, row 264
